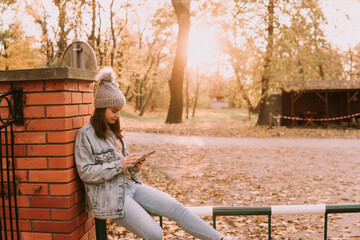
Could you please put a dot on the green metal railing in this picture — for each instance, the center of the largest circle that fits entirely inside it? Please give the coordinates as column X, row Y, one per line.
column 265, row 211
column 276, row 210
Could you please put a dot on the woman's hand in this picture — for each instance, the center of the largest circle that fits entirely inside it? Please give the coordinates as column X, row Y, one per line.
column 129, row 161
column 139, row 165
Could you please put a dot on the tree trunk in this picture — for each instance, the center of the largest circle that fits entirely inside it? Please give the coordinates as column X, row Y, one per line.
column 127, row 91
column 98, row 40
column 187, row 93
column 146, row 103
column 182, row 10
column 198, row 83
column 112, row 55
column 137, row 92
column 141, row 95
column 263, row 115
column 92, row 38
column 6, row 55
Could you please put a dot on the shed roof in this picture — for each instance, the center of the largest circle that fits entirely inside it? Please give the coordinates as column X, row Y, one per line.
column 321, row 85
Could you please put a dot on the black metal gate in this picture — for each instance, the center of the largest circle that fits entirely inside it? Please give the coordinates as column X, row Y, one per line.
column 11, row 112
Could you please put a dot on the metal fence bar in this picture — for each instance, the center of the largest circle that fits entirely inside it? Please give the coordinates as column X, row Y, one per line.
column 325, row 226
column 238, row 211
column 345, row 208
column 269, row 211
column 278, row 210
column 269, row 226
column 2, row 189
column 8, row 182
column 14, row 182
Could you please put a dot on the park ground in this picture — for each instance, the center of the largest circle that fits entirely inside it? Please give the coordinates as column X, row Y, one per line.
column 219, row 158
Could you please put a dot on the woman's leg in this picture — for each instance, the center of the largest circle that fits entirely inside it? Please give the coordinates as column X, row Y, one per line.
column 138, row 221
column 160, row 203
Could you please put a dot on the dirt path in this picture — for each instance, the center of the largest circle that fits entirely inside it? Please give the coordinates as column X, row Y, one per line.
column 216, row 171
column 221, row 142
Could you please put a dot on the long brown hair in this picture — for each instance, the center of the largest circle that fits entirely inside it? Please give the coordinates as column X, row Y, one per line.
column 101, row 126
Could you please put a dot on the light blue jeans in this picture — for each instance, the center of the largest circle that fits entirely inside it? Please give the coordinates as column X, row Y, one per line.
column 140, row 200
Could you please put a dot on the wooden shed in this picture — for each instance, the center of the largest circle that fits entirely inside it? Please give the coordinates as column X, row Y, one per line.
column 313, row 100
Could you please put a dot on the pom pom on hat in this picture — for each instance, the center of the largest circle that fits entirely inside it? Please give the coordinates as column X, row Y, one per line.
column 106, row 74
column 108, row 94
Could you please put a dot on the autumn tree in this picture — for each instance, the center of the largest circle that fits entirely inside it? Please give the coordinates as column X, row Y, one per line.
column 70, row 19
column 91, row 38
column 146, row 48
column 41, row 17
column 5, row 34
column 238, row 44
column 297, row 50
column 352, row 57
column 268, row 57
column 63, row 28
column 16, row 51
column 79, row 8
column 305, row 52
column 182, row 10
column 137, row 45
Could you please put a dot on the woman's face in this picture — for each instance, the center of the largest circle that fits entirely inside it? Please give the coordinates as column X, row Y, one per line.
column 112, row 114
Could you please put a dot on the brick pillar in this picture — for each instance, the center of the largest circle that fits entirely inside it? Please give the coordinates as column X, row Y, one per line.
column 58, row 101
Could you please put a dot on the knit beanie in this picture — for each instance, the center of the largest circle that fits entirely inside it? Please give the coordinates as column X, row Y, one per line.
column 108, row 93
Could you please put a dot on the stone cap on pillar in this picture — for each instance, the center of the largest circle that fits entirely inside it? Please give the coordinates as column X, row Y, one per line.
column 47, row 74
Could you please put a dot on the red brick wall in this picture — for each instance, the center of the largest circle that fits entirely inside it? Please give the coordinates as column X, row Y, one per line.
column 50, row 198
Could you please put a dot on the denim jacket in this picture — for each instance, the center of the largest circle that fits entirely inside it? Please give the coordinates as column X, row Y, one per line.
column 100, row 168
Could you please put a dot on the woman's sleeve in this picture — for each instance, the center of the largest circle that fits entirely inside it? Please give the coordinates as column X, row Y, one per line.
column 88, row 170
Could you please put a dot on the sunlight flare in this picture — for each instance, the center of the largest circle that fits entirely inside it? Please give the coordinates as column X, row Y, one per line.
column 203, row 49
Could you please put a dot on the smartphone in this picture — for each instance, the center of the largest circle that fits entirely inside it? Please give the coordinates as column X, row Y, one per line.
column 143, row 157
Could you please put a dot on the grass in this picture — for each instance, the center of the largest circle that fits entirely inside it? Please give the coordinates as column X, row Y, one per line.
column 127, row 114
column 200, row 114
column 228, row 113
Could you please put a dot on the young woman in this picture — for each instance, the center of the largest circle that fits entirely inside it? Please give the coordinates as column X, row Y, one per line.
column 112, row 188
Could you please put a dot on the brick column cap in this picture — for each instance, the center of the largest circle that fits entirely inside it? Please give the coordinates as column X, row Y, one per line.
column 58, row 73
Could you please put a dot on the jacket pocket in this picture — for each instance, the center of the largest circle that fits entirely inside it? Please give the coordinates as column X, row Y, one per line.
column 105, row 156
